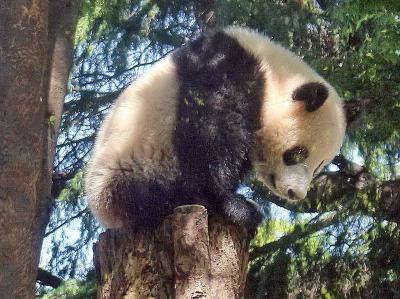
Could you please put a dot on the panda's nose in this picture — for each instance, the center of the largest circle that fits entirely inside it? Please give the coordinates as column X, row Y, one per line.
column 296, row 194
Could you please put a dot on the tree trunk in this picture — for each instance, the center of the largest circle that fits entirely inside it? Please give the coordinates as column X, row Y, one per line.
column 63, row 15
column 27, row 142
column 23, row 128
column 187, row 256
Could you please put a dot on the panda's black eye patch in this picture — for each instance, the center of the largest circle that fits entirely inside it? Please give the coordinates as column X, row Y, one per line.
column 295, row 155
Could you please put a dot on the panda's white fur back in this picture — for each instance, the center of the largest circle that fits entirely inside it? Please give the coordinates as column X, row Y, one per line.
column 142, row 122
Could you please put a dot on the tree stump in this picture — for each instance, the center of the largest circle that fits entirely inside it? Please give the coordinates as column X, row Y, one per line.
column 188, row 256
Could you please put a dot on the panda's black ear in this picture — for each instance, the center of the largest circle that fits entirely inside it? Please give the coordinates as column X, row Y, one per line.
column 313, row 94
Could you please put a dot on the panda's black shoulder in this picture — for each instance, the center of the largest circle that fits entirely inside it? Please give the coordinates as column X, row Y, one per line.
column 212, row 57
column 221, row 89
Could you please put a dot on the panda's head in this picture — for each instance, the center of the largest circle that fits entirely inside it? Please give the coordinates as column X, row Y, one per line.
column 302, row 119
column 301, row 133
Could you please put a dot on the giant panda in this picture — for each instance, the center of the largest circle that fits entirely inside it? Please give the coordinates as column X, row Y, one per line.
column 189, row 129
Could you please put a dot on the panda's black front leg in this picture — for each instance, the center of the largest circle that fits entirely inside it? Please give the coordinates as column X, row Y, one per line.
column 239, row 210
column 233, row 206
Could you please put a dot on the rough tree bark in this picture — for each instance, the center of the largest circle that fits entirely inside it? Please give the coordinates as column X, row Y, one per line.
column 188, row 256
column 63, row 15
column 28, row 97
column 23, row 132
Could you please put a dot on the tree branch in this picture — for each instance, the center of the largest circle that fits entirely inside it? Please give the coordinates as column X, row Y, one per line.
column 48, row 279
column 77, row 215
column 351, row 186
column 205, row 11
column 298, row 233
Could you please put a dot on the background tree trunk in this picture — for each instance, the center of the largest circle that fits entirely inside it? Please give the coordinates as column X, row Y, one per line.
column 63, row 15
column 188, row 256
column 28, row 130
column 24, row 181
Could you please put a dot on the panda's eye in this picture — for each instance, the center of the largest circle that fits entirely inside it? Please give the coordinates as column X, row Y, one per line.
column 295, row 155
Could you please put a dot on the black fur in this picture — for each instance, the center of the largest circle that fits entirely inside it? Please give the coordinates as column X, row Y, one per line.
column 218, row 112
column 148, row 201
column 313, row 94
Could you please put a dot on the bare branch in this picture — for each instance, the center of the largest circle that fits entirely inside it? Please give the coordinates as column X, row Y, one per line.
column 48, row 279
column 77, row 215
column 351, row 186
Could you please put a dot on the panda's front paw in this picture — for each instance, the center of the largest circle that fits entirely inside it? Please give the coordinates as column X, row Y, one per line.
column 242, row 211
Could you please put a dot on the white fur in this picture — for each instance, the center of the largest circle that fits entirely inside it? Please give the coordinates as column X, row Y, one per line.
column 141, row 125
